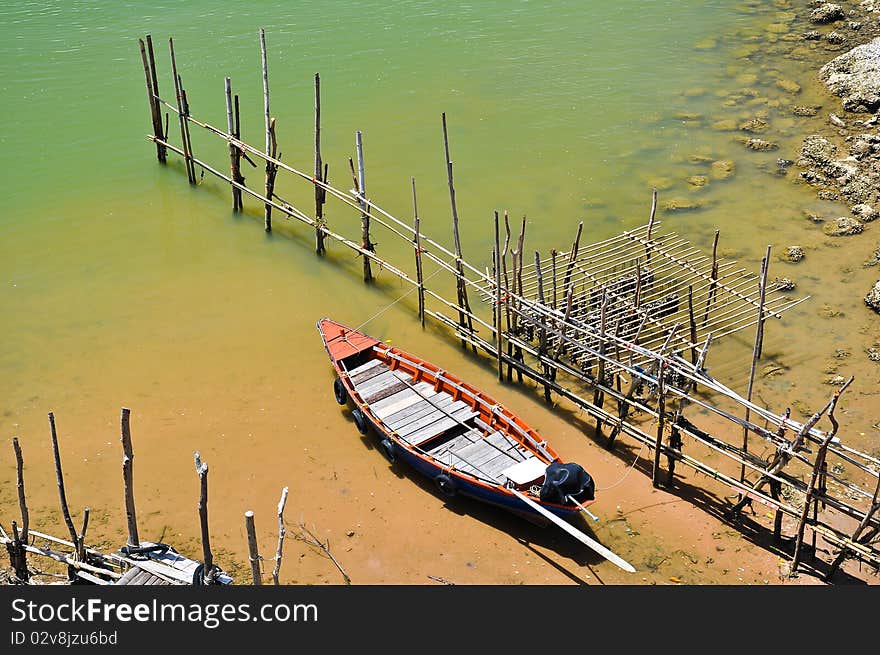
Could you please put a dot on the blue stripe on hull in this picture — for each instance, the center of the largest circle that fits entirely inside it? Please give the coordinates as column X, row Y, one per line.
column 479, row 492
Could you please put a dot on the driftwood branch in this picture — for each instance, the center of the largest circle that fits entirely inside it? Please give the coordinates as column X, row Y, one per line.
column 60, row 477
column 281, row 532
column 309, row 538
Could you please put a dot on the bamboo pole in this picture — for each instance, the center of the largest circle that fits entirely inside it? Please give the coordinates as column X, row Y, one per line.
column 17, row 552
column 360, row 185
column 271, row 143
column 661, row 417
column 59, row 475
column 320, row 193
column 154, row 82
column 817, row 467
column 417, row 247
column 182, row 114
column 128, row 477
column 202, row 472
column 281, row 533
column 234, row 152
column 648, row 245
column 81, row 537
column 498, row 331
column 253, row 553
column 461, row 289
column 713, row 275
column 154, row 107
column 598, row 396
column 542, row 332
column 756, row 351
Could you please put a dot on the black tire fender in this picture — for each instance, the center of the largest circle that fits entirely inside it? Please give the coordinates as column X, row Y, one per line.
column 445, row 485
column 340, row 391
column 360, row 421
column 388, row 450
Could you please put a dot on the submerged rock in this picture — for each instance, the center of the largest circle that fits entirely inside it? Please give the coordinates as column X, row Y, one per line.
column 855, row 77
column 835, row 38
column 793, row 254
column 725, row 125
column 697, row 181
column 723, row 169
column 681, row 205
column 789, row 86
column 818, row 149
column 872, row 299
column 760, row 145
column 805, row 110
column 754, row 125
column 843, row 227
column 826, row 13
column 785, row 284
column 864, row 212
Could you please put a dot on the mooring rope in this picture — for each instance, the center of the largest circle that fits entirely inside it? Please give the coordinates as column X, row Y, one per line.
column 628, row 471
column 389, row 306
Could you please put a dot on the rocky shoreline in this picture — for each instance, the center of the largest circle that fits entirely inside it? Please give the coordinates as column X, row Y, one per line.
column 843, row 164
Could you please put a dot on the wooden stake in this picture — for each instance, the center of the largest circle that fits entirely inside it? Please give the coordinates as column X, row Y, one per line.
column 182, row 114
column 234, row 152
column 498, row 330
column 17, row 552
column 572, row 257
column 81, row 537
column 417, row 247
column 320, row 193
column 271, row 143
column 154, row 81
column 202, row 471
column 360, row 184
column 281, row 533
column 714, row 275
column 464, row 319
column 661, row 418
column 128, row 477
column 154, row 107
column 651, row 227
column 60, row 478
column 756, row 354
column 542, row 333
column 598, row 395
column 253, row 553
column 817, row 467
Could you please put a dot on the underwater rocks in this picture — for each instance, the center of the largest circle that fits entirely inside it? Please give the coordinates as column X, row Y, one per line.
column 855, row 77
column 843, row 227
column 826, row 13
column 793, row 254
column 872, row 299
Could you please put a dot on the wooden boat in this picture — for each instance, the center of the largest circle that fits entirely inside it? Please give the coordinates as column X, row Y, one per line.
column 455, row 434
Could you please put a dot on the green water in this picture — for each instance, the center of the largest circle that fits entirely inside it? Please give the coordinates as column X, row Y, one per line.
column 122, row 286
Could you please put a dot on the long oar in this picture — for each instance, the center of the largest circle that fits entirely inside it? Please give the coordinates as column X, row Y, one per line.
column 577, row 534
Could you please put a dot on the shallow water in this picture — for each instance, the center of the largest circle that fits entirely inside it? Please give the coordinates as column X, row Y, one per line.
column 121, row 286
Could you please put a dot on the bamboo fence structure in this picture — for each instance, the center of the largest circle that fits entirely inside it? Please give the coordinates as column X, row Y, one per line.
column 621, row 328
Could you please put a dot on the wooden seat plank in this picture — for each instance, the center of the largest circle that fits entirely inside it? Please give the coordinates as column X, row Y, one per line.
column 363, row 373
column 435, row 429
column 419, row 410
column 402, row 399
column 381, row 380
column 384, row 392
column 431, row 415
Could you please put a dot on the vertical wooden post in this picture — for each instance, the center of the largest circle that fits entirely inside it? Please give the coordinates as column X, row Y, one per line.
column 253, row 552
column 542, row 333
column 182, row 114
column 599, row 395
column 202, row 471
column 60, row 478
column 506, row 297
column 234, row 152
column 756, row 353
column 17, row 552
column 464, row 317
column 155, row 113
column 81, row 537
column 817, row 467
column 271, row 143
column 518, row 289
column 128, row 477
column 553, row 254
column 713, row 284
column 154, row 80
column 498, row 329
column 648, row 246
column 320, row 192
column 361, row 188
column 281, row 532
column 661, row 419
column 417, row 246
